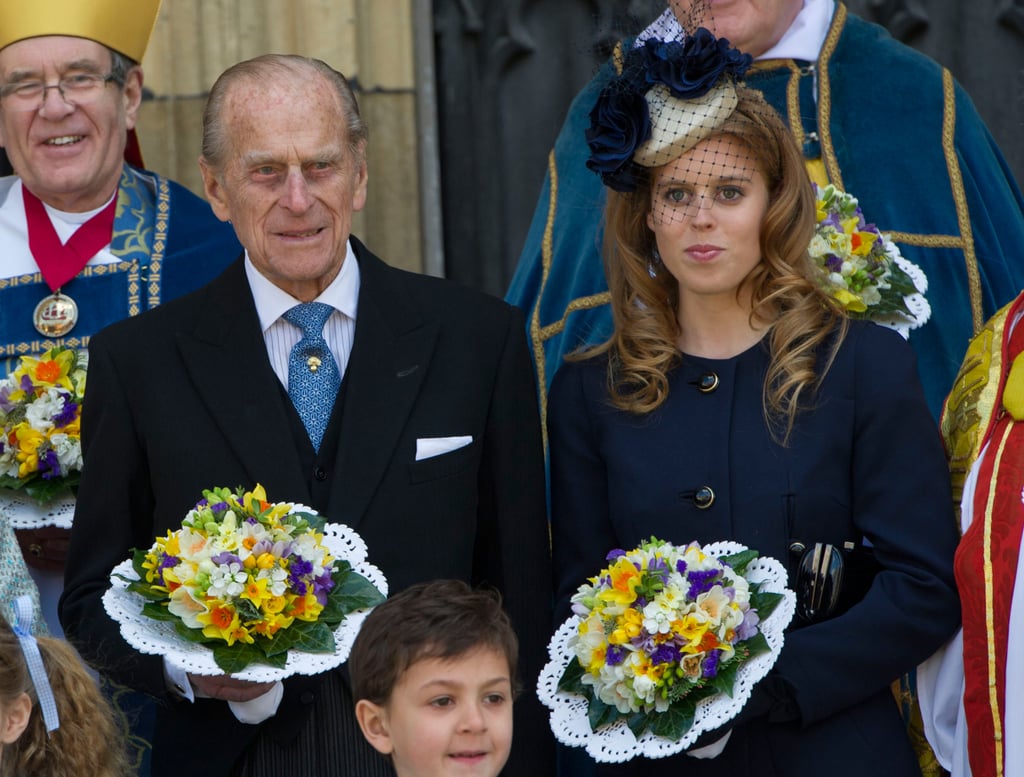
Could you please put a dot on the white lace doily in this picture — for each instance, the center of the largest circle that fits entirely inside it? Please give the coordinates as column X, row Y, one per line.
column 616, row 743
column 24, row 512
column 918, row 306
column 160, row 638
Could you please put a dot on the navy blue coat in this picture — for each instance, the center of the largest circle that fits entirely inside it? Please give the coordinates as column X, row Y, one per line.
column 864, row 463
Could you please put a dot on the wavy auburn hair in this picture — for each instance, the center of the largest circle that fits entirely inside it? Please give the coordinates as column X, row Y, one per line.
column 800, row 318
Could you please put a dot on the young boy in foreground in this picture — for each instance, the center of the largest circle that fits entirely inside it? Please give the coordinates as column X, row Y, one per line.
column 432, row 673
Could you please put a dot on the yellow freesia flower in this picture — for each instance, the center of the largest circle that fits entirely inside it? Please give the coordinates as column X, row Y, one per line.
column 618, row 637
column 29, row 443
column 850, row 301
column 266, row 561
column 628, row 626
column 171, row 547
column 275, row 604
column 850, row 225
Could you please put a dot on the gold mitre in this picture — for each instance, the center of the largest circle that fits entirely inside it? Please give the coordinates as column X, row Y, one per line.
column 122, row 25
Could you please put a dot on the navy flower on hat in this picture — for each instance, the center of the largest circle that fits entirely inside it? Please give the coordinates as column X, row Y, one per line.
column 620, row 121
column 691, row 67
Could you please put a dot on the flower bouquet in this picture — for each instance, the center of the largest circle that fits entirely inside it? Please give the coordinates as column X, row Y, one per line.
column 41, row 449
column 665, row 643
column 862, row 268
column 246, row 587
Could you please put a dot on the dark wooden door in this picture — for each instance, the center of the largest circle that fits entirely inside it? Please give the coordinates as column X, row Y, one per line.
column 508, row 69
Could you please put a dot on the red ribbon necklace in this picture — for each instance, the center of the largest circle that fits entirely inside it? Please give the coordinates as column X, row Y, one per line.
column 60, row 262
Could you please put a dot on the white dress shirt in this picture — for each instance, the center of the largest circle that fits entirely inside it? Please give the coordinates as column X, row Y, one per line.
column 281, row 336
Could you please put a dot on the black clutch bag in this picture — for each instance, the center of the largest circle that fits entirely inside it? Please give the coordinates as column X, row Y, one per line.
column 830, row 579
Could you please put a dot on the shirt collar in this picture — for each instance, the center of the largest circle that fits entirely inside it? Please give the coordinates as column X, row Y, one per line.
column 272, row 302
column 803, row 40
column 806, row 35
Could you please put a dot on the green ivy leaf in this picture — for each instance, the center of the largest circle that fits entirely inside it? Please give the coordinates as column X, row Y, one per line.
column 314, row 520
column 764, row 602
column 193, row 635
column 900, row 281
column 144, row 589
column 639, row 722
column 351, row 592
column 138, row 557
column 725, row 680
column 159, row 612
column 754, row 646
column 572, row 679
column 887, row 305
column 44, row 491
column 674, row 722
column 235, row 658
column 601, row 714
column 739, row 561
column 307, row 637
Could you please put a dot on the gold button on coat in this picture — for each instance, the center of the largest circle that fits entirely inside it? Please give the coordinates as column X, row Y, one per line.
column 704, row 498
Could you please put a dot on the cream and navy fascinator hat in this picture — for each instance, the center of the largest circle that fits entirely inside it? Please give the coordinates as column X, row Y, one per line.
column 668, row 97
column 122, row 25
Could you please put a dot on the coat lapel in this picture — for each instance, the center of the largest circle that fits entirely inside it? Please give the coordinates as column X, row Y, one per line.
column 390, row 358
column 226, row 358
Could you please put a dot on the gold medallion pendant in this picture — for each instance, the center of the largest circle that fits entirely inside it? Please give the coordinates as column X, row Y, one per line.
column 55, row 315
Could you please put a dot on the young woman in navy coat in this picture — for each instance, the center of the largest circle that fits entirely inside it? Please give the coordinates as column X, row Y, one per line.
column 735, row 401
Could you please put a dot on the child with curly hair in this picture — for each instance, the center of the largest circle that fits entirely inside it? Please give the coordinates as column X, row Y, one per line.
column 54, row 722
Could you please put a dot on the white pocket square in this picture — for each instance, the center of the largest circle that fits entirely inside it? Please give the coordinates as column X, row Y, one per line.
column 428, row 447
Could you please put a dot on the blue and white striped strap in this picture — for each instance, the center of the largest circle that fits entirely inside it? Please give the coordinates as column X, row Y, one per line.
column 34, row 661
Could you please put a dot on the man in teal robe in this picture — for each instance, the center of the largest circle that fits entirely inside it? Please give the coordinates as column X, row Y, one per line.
column 875, row 118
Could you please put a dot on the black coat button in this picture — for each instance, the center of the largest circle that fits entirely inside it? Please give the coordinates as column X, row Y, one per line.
column 320, row 474
column 704, row 498
column 707, row 383
column 307, row 697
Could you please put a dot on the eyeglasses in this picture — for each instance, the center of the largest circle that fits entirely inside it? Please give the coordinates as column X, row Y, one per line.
column 77, row 89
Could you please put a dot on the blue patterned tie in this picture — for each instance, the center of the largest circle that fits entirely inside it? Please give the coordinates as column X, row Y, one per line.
column 313, row 378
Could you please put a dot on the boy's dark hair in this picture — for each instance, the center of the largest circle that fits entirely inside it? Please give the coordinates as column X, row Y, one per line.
column 440, row 619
